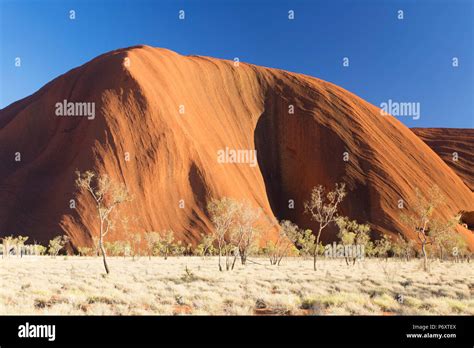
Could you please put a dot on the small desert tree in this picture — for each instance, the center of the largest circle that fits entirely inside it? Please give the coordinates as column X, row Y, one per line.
column 17, row 243
column 56, row 244
column 40, row 249
column 442, row 235
column 223, row 214
column 134, row 238
column 353, row 234
column 167, row 243
column 205, row 247
column 107, row 195
column 152, row 240
column 245, row 234
column 189, row 249
column 306, row 243
column 323, row 208
column 135, row 245
column 126, row 248
column 383, row 246
column 419, row 218
column 20, row 243
column 403, row 247
column 113, row 248
column 178, row 248
column 288, row 234
column 84, row 251
column 458, row 246
column 8, row 242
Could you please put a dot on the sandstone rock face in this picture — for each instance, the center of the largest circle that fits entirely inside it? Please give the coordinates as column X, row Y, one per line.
column 455, row 146
column 172, row 114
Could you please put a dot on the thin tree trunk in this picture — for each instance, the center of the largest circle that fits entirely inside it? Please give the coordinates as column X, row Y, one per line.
column 104, row 256
column 220, row 254
column 243, row 258
column 102, row 249
column 316, row 249
column 425, row 259
column 235, row 259
column 227, row 261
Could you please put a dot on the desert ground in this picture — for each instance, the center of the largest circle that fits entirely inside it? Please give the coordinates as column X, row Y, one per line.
column 194, row 286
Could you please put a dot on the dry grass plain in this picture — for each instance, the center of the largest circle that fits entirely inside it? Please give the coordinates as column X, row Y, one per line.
column 78, row 285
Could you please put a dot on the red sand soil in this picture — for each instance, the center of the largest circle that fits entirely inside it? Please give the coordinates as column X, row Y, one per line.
column 174, row 156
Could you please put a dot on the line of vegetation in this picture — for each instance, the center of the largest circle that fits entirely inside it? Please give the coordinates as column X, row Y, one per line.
column 240, row 231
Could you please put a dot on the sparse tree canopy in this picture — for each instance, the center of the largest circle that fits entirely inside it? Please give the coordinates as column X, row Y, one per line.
column 56, row 244
column 442, row 235
column 107, row 195
column 85, row 251
column 131, row 234
column 353, row 233
column 167, row 243
column 135, row 247
column 223, row 215
column 323, row 208
column 419, row 217
column 205, row 247
column 236, row 229
column 153, row 243
column 9, row 242
column 288, row 234
column 403, row 247
column 245, row 233
column 306, row 243
column 164, row 244
column 383, row 246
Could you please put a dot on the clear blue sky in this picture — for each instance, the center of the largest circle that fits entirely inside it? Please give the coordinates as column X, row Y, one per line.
column 404, row 60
